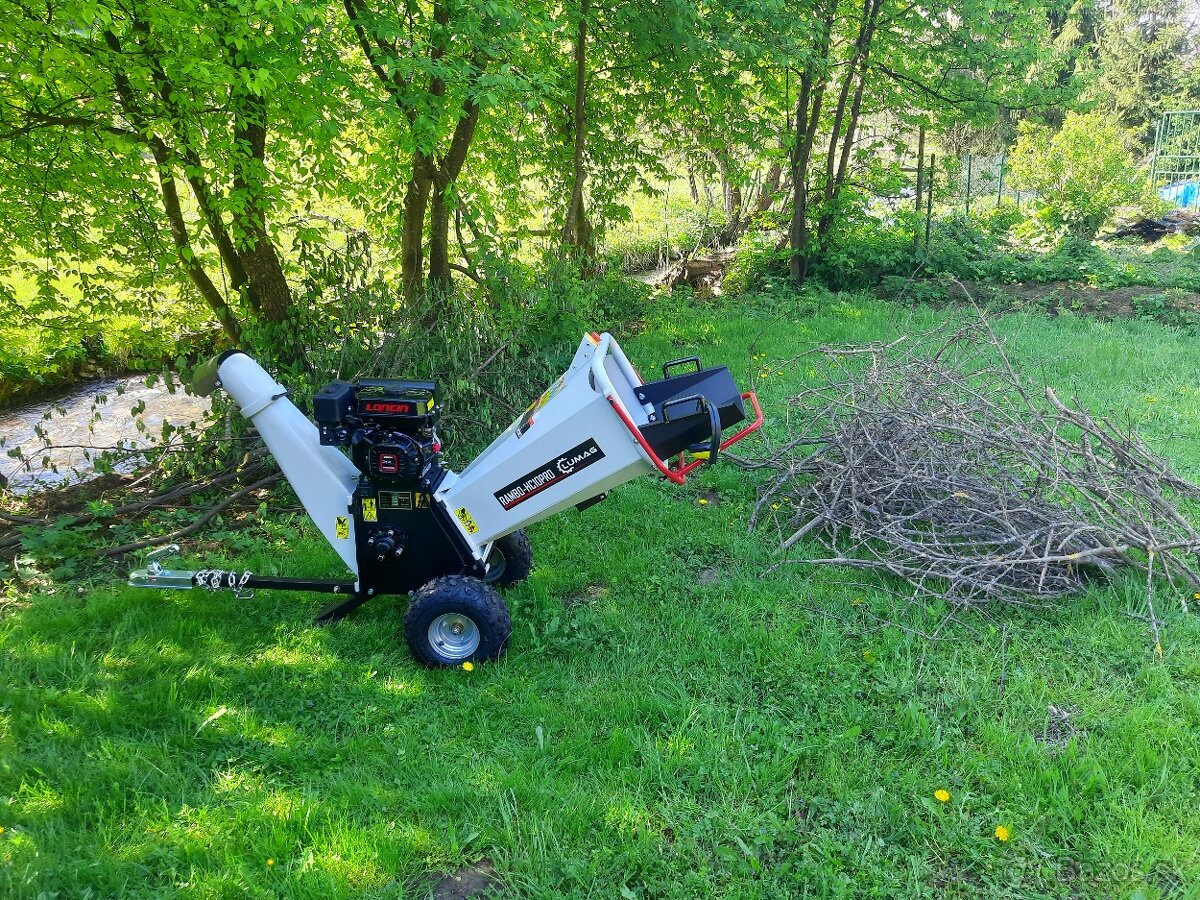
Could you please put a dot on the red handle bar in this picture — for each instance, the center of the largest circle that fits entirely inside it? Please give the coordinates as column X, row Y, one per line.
column 679, row 476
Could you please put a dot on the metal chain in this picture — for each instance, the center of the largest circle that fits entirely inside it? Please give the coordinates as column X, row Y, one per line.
column 215, row 579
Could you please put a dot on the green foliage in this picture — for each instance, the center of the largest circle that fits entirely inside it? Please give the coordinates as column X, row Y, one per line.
column 1167, row 309
column 41, row 348
column 868, row 248
column 1080, row 174
column 111, row 111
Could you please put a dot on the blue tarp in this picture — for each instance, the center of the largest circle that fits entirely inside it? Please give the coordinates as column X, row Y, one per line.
column 1181, row 193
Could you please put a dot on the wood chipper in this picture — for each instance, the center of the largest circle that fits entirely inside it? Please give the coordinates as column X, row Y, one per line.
column 369, row 473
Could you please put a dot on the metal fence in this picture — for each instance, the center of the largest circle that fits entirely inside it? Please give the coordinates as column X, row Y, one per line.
column 1175, row 166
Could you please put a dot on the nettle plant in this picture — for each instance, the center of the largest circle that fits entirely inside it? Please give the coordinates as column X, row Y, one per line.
column 1080, row 174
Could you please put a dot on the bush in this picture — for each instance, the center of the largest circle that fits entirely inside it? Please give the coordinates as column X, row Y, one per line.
column 1081, row 174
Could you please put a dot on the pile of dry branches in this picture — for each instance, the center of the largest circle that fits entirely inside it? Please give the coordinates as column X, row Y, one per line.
column 930, row 460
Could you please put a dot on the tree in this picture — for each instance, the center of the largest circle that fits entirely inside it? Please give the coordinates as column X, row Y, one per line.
column 139, row 133
column 1143, row 61
column 969, row 58
column 440, row 66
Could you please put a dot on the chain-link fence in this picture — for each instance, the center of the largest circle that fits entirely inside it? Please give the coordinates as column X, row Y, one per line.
column 976, row 183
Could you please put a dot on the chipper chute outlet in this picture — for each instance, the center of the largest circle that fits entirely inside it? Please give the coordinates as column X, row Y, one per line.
column 369, row 473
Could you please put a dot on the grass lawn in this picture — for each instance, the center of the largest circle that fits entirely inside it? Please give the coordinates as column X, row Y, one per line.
column 669, row 721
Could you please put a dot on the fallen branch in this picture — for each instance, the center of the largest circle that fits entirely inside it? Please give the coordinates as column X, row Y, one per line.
column 199, row 523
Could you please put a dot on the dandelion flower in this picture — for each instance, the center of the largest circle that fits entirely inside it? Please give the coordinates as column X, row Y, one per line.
column 702, row 502
column 1002, row 833
column 942, row 795
column 270, row 862
column 469, row 666
column 774, row 506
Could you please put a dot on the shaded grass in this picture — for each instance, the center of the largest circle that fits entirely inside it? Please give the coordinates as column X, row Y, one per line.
column 652, row 732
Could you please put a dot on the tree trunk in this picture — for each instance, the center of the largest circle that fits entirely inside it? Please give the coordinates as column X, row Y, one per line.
column 187, row 256
column 412, row 238
column 770, row 188
column 808, row 117
column 189, row 261
column 432, row 182
column 439, row 241
column 801, row 153
column 444, row 177
column 194, row 170
column 577, row 230
column 836, row 179
column 855, row 76
column 267, row 289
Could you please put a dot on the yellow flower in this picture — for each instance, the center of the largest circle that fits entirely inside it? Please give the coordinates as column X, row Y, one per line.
column 943, row 795
column 270, row 862
column 1150, row 398
column 702, row 502
column 469, row 666
column 774, row 506
column 762, row 374
column 1002, row 833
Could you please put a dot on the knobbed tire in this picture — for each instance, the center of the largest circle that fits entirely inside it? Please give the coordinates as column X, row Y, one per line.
column 517, row 555
column 456, row 619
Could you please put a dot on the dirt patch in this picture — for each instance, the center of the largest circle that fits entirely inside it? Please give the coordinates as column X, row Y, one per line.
column 470, row 881
column 72, row 498
column 1052, row 296
column 590, row 594
column 709, row 576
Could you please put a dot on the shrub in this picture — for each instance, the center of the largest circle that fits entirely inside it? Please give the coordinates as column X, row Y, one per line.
column 1081, row 174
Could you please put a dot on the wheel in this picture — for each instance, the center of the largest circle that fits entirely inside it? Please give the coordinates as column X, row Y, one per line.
column 456, row 619
column 511, row 559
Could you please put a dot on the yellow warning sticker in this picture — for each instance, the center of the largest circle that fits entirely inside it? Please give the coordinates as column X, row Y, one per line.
column 421, row 501
column 369, row 511
column 467, row 522
column 342, row 527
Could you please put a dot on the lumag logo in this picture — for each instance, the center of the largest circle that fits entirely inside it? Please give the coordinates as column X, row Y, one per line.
column 550, row 474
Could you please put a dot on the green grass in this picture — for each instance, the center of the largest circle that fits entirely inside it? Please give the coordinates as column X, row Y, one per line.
column 672, row 719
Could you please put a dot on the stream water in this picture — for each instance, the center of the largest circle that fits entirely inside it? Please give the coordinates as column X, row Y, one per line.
column 96, row 414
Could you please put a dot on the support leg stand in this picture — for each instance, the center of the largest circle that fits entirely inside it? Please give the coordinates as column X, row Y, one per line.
column 340, row 608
